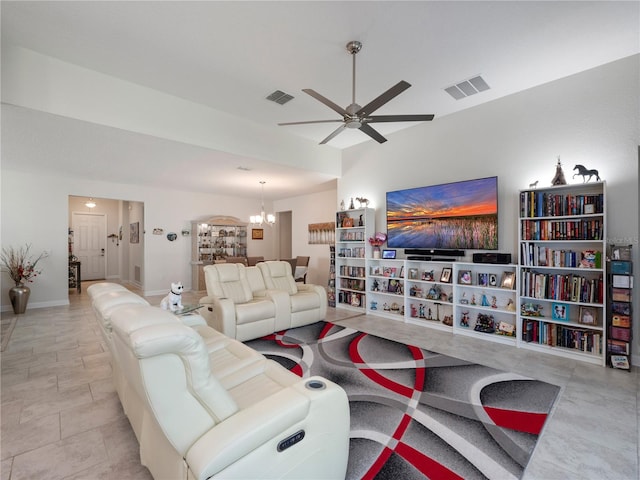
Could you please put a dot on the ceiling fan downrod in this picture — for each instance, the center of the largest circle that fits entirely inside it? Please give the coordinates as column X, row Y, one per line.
column 354, row 47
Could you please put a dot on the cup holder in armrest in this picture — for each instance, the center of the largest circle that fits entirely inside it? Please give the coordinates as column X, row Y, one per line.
column 315, row 385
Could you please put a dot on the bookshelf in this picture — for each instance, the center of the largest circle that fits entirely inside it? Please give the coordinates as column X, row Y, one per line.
column 429, row 294
column 561, row 274
column 354, row 227
column 485, row 298
column 619, row 307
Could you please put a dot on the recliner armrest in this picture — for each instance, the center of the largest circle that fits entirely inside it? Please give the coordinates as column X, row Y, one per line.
column 220, row 314
column 245, row 431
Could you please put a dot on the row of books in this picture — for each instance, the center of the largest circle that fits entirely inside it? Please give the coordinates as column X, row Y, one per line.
column 541, row 204
column 556, row 335
column 358, row 252
column 351, row 298
column 352, row 284
column 535, row 255
column 568, row 288
column 585, row 229
column 350, row 271
column 357, row 236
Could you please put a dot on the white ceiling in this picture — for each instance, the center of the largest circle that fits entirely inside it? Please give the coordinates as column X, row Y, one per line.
column 231, row 55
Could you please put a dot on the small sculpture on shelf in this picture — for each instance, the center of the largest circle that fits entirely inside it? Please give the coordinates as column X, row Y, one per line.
column 351, row 205
column 362, row 202
column 464, row 320
column 582, row 170
column 533, row 184
column 374, row 305
column 558, row 178
column 511, row 307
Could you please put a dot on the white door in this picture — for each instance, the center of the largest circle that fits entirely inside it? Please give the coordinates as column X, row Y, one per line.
column 89, row 243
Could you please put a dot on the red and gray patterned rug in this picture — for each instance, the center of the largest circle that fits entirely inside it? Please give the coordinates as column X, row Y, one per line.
column 416, row 414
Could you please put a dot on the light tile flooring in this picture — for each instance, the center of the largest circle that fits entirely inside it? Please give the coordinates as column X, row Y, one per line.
column 61, row 418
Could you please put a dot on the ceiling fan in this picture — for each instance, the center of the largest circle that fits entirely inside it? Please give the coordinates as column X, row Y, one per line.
column 355, row 116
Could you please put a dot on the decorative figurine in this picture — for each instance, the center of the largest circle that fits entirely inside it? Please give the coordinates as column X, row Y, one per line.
column 484, row 301
column 173, row 301
column 351, row 205
column 494, row 302
column 473, row 299
column 584, row 172
column 360, row 222
column 464, row 321
column 341, row 204
column 559, row 179
column 362, row 201
column 421, row 310
column 533, row 184
column 511, row 306
column 414, row 311
column 374, row 305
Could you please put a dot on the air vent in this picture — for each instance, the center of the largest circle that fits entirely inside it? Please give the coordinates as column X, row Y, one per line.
column 280, row 97
column 467, row 88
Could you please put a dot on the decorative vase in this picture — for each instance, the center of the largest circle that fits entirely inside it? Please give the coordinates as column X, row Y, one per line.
column 376, row 252
column 19, row 296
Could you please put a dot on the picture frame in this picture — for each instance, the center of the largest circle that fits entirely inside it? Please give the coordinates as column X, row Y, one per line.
column 445, row 276
column 493, row 280
column 413, row 274
column 464, row 277
column 134, row 232
column 508, row 280
column 257, row 234
column 483, row 279
column 588, row 316
column 388, row 254
column 560, row 312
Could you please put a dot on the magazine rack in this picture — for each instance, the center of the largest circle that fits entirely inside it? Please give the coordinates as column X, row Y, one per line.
column 620, row 314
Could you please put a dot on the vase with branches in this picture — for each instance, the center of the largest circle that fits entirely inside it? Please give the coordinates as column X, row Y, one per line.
column 20, row 265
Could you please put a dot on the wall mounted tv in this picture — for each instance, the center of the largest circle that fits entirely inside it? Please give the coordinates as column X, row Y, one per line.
column 457, row 215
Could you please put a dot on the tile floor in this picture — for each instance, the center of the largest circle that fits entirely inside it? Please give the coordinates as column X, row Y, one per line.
column 61, row 418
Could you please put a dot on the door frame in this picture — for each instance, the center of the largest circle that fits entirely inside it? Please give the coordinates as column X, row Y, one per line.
column 103, row 230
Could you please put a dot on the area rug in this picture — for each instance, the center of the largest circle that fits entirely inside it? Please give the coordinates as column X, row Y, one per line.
column 416, row 414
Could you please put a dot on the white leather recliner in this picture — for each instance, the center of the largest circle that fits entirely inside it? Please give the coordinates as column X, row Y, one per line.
column 197, row 416
column 239, row 305
column 307, row 303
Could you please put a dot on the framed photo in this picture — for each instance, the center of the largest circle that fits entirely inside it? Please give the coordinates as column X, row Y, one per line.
column 257, row 234
column 588, row 316
column 388, row 254
column 483, row 279
column 560, row 312
column 413, row 274
column 464, row 277
column 134, row 232
column 445, row 276
column 508, row 280
column 493, row 280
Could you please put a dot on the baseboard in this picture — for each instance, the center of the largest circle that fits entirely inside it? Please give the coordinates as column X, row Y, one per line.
column 32, row 305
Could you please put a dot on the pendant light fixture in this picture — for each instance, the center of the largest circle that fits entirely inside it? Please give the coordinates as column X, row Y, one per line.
column 269, row 219
column 90, row 203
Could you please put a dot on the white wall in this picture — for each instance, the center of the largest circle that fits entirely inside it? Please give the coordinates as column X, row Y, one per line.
column 35, row 209
column 592, row 118
column 314, row 208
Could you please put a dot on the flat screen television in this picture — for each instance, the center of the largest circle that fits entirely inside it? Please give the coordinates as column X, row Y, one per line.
column 457, row 215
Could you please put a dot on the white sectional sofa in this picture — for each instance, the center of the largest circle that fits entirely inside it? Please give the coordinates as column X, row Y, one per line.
column 203, row 405
column 249, row 302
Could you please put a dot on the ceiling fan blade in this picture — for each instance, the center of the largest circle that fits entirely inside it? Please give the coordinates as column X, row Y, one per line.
column 372, row 133
column 311, row 121
column 338, row 130
column 398, row 118
column 376, row 103
column 326, row 101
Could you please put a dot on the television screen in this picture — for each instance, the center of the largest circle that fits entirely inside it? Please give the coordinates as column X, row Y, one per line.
column 458, row 215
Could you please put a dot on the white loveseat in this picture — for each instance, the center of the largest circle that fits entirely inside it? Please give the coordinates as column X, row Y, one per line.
column 249, row 302
column 203, row 405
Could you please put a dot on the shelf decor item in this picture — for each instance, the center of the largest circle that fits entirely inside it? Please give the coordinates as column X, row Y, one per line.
column 21, row 267
column 376, row 242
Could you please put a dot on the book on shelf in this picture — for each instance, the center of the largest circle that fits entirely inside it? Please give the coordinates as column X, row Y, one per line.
column 620, row 361
column 620, row 333
column 618, row 347
column 621, row 321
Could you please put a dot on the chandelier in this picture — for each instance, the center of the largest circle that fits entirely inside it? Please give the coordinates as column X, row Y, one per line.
column 269, row 219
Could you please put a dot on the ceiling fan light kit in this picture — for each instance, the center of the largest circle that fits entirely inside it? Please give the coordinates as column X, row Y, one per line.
column 356, row 117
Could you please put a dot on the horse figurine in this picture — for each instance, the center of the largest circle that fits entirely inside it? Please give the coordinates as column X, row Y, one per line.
column 534, row 184
column 586, row 173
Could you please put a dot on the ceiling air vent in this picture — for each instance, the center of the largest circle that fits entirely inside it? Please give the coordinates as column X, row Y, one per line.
column 280, row 97
column 467, row 88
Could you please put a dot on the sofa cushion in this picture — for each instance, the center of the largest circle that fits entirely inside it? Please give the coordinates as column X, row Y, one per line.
column 254, row 311
column 228, row 280
column 277, row 276
column 304, row 301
